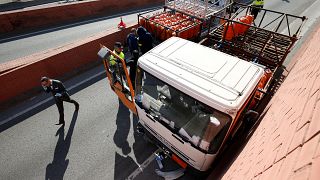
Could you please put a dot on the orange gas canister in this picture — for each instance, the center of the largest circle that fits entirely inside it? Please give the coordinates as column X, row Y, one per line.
column 242, row 29
column 262, row 84
column 250, row 18
column 229, row 31
column 142, row 22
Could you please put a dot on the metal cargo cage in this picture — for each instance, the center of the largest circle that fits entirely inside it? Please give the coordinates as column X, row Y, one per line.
column 163, row 25
column 266, row 40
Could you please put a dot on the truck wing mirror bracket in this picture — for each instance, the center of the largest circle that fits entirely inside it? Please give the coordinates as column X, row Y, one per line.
column 103, row 53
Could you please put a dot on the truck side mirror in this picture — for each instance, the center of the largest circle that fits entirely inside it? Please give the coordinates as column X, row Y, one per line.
column 251, row 117
column 103, row 53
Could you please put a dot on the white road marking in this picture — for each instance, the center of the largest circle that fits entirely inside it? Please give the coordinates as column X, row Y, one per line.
column 143, row 166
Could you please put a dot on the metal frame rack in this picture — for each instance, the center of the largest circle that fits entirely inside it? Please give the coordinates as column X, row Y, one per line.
column 263, row 42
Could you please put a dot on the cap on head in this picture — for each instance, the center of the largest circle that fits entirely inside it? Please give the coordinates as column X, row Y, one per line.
column 118, row 45
column 44, row 79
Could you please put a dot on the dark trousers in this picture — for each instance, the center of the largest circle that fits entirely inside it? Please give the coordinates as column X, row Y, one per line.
column 59, row 103
column 255, row 11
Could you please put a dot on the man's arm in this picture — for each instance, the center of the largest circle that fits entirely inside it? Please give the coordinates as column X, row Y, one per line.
column 46, row 89
column 62, row 89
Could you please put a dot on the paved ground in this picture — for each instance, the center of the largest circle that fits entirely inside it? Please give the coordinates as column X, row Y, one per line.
column 19, row 46
column 99, row 142
column 96, row 143
column 286, row 143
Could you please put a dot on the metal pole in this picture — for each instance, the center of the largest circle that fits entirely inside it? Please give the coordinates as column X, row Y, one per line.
column 206, row 9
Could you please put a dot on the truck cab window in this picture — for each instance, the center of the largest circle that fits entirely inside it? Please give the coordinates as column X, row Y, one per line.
column 193, row 121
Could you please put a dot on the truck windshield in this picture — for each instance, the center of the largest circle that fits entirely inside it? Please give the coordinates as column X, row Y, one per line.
column 195, row 122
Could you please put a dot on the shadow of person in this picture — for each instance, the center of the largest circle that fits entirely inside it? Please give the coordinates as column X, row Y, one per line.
column 56, row 169
column 123, row 128
column 142, row 146
column 123, row 166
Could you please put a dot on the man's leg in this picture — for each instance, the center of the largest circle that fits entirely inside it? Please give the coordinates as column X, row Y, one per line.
column 59, row 104
column 68, row 99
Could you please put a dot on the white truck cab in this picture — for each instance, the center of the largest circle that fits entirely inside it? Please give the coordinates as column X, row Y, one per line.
column 188, row 96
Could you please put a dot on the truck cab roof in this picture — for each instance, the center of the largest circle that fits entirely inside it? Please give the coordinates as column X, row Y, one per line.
column 217, row 79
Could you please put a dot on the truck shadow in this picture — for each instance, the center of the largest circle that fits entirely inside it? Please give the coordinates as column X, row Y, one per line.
column 57, row 168
column 227, row 157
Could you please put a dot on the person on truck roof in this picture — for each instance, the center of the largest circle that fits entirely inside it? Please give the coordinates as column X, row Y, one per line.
column 255, row 5
column 144, row 40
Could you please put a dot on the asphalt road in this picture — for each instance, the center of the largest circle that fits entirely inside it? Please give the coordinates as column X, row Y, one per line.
column 13, row 47
column 97, row 143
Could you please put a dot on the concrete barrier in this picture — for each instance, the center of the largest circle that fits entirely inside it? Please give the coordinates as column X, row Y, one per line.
column 36, row 17
column 56, row 63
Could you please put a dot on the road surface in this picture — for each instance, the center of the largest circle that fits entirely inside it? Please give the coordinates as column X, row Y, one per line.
column 18, row 46
column 98, row 142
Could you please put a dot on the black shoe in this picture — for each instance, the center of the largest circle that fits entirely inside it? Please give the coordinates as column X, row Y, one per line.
column 77, row 106
column 60, row 124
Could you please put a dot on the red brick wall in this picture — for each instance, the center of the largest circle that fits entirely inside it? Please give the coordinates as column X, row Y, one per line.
column 286, row 143
column 55, row 62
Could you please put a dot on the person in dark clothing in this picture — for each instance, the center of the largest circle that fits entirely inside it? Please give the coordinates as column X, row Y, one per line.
column 132, row 63
column 144, row 40
column 132, row 41
column 60, row 94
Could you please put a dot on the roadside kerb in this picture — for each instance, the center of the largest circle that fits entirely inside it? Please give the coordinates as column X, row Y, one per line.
column 56, row 62
column 36, row 17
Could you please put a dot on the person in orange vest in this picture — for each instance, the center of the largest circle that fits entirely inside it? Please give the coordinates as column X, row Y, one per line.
column 256, row 4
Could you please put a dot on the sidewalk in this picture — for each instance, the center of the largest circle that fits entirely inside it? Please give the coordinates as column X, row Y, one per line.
column 286, row 143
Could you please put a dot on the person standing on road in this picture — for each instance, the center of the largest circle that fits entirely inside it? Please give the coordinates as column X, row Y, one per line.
column 132, row 41
column 60, row 94
column 144, row 40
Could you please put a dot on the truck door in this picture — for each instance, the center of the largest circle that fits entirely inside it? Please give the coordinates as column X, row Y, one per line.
column 118, row 76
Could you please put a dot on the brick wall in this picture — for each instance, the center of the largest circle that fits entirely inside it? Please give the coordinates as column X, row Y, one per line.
column 286, row 143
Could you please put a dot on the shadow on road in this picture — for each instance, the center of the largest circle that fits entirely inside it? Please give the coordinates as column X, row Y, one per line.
column 124, row 165
column 57, row 168
column 42, row 97
column 141, row 148
column 123, row 128
column 227, row 157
